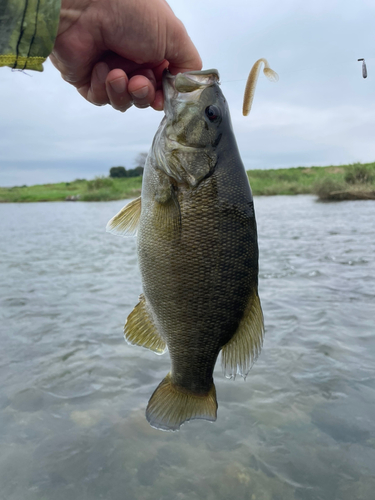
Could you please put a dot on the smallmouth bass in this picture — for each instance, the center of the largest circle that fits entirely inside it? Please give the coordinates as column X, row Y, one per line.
column 197, row 251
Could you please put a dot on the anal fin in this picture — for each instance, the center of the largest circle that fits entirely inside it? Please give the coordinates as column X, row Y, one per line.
column 239, row 354
column 140, row 329
column 126, row 221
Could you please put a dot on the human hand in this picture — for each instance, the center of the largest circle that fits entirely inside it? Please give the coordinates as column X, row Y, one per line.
column 114, row 51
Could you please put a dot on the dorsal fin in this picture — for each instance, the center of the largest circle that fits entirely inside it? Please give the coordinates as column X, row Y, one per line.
column 239, row 354
column 126, row 221
column 140, row 329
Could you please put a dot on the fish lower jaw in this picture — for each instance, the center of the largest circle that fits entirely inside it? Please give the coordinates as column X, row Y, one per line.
column 173, row 144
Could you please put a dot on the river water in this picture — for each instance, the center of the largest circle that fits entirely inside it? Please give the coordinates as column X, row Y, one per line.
column 73, row 393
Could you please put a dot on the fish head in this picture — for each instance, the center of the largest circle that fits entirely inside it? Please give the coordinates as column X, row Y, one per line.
column 196, row 116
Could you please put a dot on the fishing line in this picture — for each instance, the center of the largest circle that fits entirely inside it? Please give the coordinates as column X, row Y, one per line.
column 230, row 81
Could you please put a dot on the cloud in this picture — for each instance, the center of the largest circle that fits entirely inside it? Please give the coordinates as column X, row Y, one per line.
column 320, row 111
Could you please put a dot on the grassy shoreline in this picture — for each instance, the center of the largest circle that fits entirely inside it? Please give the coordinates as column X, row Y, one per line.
column 343, row 182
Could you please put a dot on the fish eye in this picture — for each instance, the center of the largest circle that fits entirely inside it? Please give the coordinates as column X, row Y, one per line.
column 212, row 113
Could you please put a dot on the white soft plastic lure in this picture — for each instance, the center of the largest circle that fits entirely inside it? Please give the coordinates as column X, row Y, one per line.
column 252, row 82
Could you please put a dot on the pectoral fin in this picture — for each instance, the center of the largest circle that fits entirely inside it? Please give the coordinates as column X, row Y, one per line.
column 140, row 329
column 238, row 355
column 126, row 221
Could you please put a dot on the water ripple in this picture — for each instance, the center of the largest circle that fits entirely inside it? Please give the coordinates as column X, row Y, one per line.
column 74, row 393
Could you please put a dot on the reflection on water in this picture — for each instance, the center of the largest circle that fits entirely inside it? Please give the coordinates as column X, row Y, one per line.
column 73, row 394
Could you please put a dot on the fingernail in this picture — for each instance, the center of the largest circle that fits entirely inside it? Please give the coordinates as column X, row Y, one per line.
column 140, row 93
column 102, row 71
column 118, row 85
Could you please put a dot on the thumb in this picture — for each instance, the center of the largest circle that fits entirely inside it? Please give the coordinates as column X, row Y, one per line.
column 180, row 51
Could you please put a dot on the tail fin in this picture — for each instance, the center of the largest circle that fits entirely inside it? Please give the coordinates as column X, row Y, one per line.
column 171, row 405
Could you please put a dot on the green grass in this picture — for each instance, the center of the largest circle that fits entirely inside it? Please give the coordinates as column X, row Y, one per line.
column 99, row 189
column 356, row 181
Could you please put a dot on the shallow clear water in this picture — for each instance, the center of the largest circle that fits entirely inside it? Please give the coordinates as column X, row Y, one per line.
column 73, row 394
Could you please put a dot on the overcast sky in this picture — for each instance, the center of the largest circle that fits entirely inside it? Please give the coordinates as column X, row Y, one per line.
column 320, row 112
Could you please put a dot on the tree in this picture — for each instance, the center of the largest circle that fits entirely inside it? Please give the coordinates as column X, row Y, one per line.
column 117, row 172
column 133, row 172
column 139, row 170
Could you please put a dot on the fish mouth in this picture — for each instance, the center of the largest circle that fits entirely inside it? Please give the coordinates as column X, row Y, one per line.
column 182, row 90
column 181, row 147
column 186, row 87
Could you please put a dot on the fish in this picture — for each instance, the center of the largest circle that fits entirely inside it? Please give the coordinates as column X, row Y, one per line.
column 197, row 252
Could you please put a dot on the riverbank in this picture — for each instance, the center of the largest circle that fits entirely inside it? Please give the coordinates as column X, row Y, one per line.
column 99, row 189
column 332, row 183
column 343, row 182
